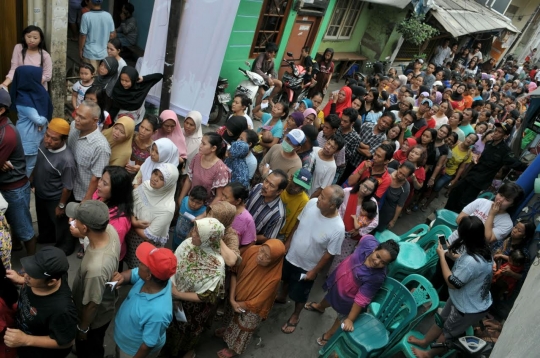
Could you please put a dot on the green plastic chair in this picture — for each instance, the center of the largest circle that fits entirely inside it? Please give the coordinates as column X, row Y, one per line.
column 445, row 217
column 487, row 195
column 373, row 332
column 425, row 296
column 415, row 233
column 405, row 347
column 418, row 257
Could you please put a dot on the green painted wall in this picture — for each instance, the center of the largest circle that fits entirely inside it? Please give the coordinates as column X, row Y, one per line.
column 242, row 35
column 374, row 35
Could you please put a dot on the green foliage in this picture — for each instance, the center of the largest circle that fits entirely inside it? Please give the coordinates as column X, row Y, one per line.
column 415, row 30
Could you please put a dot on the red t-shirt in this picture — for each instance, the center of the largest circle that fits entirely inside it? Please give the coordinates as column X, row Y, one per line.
column 383, row 179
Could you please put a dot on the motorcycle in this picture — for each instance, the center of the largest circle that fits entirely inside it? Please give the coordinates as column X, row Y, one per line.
column 221, row 99
column 250, row 86
column 468, row 346
column 294, row 89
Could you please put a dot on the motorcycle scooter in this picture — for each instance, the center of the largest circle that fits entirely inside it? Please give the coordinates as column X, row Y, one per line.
column 250, row 86
column 294, row 89
column 221, row 99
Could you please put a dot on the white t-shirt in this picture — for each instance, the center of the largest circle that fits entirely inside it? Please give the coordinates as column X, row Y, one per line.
column 315, row 235
column 322, row 171
column 439, row 121
column 502, row 223
column 80, row 90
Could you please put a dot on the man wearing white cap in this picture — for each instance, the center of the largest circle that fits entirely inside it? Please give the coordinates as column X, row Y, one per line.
column 284, row 156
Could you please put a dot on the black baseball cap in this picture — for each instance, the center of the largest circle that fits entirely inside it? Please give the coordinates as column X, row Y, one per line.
column 505, row 127
column 47, row 262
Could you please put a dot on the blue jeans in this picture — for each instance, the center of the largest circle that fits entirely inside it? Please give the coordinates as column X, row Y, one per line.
column 18, row 212
column 442, row 181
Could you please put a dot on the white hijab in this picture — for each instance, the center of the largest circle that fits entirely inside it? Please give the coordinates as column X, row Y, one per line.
column 168, row 153
column 157, row 205
column 193, row 141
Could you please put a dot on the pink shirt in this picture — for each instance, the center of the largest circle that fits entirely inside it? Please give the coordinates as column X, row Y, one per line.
column 31, row 59
column 245, row 227
column 122, row 225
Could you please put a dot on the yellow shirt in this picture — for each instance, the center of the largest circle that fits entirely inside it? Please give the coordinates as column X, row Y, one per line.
column 294, row 204
column 458, row 157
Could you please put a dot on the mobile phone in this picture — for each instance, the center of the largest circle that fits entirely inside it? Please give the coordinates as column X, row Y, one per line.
column 443, row 242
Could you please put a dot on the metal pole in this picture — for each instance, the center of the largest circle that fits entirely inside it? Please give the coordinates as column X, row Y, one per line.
column 175, row 17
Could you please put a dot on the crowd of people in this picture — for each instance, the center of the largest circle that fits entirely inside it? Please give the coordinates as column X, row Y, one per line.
column 252, row 216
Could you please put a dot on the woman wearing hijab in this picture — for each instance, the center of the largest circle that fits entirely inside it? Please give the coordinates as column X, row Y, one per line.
column 232, row 129
column 120, row 137
column 294, row 121
column 129, row 93
column 193, row 134
column 170, row 128
column 197, row 285
column 309, row 116
column 456, row 98
column 343, row 100
column 236, row 161
column 163, row 151
column 107, row 75
column 254, row 288
column 225, row 213
column 153, row 210
column 34, row 109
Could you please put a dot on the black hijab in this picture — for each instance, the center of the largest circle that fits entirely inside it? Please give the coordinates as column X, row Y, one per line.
column 133, row 98
column 107, row 82
column 236, row 125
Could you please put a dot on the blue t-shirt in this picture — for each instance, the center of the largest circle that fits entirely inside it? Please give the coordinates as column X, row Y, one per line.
column 97, row 26
column 277, row 129
column 143, row 317
column 184, row 225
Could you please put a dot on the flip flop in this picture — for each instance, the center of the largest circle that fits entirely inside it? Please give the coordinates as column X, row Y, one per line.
column 321, row 341
column 289, row 324
column 225, row 353
column 309, row 307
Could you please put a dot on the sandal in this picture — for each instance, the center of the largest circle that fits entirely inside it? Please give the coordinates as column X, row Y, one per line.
column 226, row 353
column 80, row 253
column 321, row 341
column 309, row 307
column 289, row 324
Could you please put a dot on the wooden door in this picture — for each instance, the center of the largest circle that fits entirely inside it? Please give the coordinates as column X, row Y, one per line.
column 14, row 19
column 303, row 34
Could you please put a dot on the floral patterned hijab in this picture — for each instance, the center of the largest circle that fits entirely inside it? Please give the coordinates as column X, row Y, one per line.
column 236, row 161
column 201, row 268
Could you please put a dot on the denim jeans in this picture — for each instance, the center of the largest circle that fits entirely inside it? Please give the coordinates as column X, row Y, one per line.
column 442, row 181
column 18, row 212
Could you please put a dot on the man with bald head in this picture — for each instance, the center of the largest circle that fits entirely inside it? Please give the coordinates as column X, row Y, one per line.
column 90, row 149
column 55, row 173
column 313, row 242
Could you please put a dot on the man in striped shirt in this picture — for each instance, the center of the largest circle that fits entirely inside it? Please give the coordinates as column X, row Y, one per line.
column 265, row 205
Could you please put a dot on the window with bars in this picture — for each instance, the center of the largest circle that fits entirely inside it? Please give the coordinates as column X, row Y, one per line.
column 343, row 20
column 273, row 17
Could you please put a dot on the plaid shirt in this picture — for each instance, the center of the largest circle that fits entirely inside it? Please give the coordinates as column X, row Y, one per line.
column 269, row 217
column 352, row 142
column 92, row 154
column 369, row 138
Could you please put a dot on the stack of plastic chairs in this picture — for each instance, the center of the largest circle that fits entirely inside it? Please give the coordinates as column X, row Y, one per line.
column 445, row 217
column 372, row 333
column 415, row 233
column 405, row 347
column 418, row 257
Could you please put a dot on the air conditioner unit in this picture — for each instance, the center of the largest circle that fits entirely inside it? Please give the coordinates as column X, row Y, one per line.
column 311, row 7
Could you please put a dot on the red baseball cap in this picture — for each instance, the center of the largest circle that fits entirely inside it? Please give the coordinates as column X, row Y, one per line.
column 161, row 261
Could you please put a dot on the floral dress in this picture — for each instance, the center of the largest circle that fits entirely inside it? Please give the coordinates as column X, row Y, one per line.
column 217, row 176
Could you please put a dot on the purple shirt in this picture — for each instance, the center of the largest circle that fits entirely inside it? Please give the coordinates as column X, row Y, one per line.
column 245, row 227
column 352, row 281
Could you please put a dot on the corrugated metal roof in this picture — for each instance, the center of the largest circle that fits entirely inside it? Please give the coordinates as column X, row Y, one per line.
column 461, row 17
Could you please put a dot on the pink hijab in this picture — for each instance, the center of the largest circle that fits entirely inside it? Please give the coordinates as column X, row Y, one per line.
column 177, row 136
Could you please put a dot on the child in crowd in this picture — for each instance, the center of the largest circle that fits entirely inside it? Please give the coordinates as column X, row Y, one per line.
column 265, row 136
column 503, row 284
column 97, row 95
column 308, row 64
column 367, row 214
column 191, row 208
column 86, row 74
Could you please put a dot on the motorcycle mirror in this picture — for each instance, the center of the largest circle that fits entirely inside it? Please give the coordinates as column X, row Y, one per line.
column 247, row 63
column 289, row 54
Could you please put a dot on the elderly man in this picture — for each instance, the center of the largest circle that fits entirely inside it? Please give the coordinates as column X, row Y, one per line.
column 265, row 205
column 55, row 171
column 90, row 148
column 315, row 239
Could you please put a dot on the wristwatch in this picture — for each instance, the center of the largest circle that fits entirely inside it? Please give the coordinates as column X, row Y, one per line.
column 61, row 205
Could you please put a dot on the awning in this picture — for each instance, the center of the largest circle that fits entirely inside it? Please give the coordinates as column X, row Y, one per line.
column 395, row 3
column 460, row 17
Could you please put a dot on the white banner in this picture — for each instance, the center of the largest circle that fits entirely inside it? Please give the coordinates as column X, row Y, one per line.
column 204, row 34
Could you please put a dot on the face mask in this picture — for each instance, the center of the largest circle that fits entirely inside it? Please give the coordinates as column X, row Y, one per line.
column 287, row 148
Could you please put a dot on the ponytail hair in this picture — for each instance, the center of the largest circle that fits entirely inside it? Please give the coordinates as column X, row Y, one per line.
column 215, row 140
